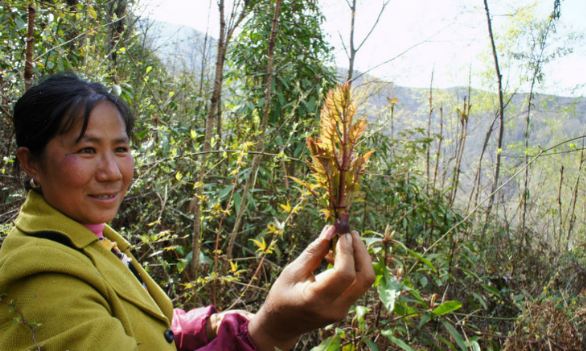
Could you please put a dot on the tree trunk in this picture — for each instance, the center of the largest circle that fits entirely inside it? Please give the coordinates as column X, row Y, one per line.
column 352, row 53
column 501, row 111
column 439, row 144
column 428, row 151
column 223, row 40
column 259, row 147
column 30, row 41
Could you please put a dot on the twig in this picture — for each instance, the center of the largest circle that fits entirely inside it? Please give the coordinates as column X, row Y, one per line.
column 22, row 321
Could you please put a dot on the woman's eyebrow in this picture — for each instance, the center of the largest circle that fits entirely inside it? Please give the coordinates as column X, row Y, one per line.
column 93, row 139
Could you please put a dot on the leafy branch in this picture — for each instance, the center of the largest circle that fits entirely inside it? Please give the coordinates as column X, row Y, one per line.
column 335, row 165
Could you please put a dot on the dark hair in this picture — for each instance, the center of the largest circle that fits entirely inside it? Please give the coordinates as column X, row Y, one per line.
column 53, row 106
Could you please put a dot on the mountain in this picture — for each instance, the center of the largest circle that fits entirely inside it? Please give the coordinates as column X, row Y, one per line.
column 553, row 118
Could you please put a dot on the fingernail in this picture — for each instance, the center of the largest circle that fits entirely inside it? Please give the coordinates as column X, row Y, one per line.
column 348, row 238
column 328, row 232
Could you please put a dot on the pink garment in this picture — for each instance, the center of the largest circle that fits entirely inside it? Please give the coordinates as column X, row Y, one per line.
column 97, row 229
column 189, row 329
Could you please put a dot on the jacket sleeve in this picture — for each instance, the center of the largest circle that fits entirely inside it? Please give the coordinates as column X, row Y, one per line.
column 190, row 332
column 68, row 313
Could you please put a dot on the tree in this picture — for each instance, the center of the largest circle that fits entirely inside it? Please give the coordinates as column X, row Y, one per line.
column 302, row 76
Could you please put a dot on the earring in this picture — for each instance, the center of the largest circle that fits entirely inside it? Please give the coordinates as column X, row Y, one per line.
column 33, row 184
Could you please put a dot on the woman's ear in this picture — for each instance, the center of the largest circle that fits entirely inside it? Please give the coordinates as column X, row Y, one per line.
column 28, row 162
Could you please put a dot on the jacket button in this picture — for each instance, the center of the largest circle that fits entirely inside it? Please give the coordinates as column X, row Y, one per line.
column 169, row 336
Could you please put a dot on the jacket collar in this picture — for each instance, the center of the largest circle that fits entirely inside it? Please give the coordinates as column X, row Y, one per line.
column 37, row 215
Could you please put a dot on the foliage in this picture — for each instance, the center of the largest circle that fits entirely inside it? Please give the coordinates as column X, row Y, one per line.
column 336, row 166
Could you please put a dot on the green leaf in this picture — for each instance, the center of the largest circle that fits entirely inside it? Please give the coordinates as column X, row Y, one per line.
column 446, row 307
column 389, row 334
column 454, row 333
column 445, row 341
column 422, row 259
column 480, row 300
column 426, row 318
column 225, row 191
column 372, row 346
column 492, row 290
column 388, row 292
column 330, row 344
column 361, row 311
column 142, row 134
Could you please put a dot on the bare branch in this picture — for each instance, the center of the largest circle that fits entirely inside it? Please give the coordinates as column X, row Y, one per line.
column 374, row 25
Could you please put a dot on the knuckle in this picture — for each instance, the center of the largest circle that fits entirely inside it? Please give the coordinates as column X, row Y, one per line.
column 346, row 277
column 369, row 279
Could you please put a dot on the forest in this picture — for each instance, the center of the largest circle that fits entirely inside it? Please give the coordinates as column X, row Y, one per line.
column 472, row 204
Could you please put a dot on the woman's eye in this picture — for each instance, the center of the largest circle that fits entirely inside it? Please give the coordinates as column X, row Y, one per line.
column 87, row 150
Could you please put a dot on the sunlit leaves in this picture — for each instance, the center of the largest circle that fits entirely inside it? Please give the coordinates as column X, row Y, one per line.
column 335, row 165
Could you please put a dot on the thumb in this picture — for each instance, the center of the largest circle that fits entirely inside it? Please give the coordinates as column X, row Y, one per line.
column 314, row 254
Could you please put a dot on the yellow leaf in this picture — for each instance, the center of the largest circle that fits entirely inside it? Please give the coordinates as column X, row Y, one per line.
column 178, row 176
column 326, row 213
column 262, row 246
column 193, row 134
column 233, row 266
column 272, row 229
column 287, row 207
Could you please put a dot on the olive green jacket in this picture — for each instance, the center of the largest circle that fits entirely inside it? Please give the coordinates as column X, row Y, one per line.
column 81, row 296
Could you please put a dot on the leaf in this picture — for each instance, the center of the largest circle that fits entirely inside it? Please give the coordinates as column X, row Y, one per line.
column 372, row 346
column 330, row 344
column 142, row 134
column 446, row 307
column 480, row 300
column 445, row 341
column 454, row 333
column 287, row 207
column 225, row 191
column 361, row 311
column 422, row 259
column 426, row 318
column 262, row 245
column 388, row 291
column 389, row 334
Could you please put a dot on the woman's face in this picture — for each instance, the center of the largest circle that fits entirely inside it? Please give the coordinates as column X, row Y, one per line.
column 87, row 180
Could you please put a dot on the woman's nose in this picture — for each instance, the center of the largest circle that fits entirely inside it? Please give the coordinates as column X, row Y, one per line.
column 108, row 169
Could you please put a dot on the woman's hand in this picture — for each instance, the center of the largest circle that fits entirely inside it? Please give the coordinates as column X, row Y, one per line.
column 214, row 321
column 299, row 301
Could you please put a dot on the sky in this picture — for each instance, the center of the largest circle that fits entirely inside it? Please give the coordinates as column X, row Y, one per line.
column 418, row 37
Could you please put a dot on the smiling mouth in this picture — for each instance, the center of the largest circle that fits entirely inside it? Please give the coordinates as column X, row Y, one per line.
column 104, row 197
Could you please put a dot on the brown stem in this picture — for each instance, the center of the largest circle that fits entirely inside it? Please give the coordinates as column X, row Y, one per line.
column 501, row 111
column 30, row 41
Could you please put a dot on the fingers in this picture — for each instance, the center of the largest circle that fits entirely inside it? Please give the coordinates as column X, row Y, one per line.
column 313, row 255
column 364, row 271
column 362, row 258
column 332, row 283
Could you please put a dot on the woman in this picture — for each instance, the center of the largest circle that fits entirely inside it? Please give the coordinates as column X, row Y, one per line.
column 63, row 268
